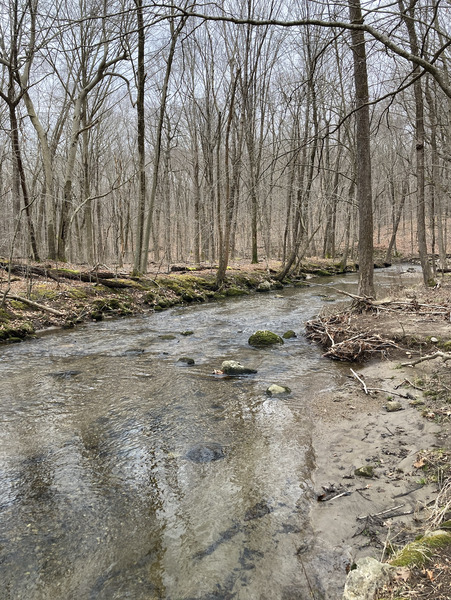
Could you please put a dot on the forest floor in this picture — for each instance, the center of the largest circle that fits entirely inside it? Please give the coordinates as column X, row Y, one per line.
column 408, row 488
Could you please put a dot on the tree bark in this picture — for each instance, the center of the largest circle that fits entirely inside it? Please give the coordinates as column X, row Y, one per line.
column 363, row 154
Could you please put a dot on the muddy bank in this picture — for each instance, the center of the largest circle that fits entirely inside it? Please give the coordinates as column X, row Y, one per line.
column 382, row 457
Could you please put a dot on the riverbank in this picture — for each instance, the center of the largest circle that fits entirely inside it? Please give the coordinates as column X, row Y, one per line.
column 37, row 297
column 383, row 447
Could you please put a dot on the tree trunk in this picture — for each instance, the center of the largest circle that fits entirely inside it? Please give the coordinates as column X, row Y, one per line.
column 363, row 154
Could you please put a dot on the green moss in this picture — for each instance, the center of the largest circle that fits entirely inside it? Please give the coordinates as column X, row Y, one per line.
column 68, row 271
column 150, row 298
column 365, row 471
column 18, row 332
column 419, row 552
column 5, row 316
column 18, row 305
column 289, row 334
column 446, row 346
column 41, row 292
column 77, row 293
column 263, row 338
column 235, row 291
column 110, row 305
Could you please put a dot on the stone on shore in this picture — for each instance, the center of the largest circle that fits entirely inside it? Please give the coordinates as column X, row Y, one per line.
column 363, row 582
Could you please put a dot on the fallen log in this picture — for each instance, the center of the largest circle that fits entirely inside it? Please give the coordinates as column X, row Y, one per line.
column 42, row 307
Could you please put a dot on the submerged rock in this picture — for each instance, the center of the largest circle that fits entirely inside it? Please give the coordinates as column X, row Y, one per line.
column 64, row 374
column 275, row 390
column 363, row 582
column 186, row 360
column 232, row 367
column 203, row 453
column 263, row 338
column 257, row 511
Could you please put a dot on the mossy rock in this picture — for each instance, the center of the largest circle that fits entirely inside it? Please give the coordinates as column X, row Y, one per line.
column 187, row 333
column 419, row 552
column 167, row 336
column 288, row 335
column 446, row 346
column 235, row 291
column 264, row 338
column 365, row 471
column 18, row 332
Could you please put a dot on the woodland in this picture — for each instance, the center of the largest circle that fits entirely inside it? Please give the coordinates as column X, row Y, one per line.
column 136, row 133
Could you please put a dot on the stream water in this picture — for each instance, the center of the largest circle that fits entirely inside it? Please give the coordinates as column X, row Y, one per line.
column 100, row 497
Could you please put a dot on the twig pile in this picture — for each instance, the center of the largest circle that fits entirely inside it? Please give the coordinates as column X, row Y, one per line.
column 344, row 342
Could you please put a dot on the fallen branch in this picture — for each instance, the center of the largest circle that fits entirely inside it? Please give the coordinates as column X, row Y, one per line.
column 439, row 354
column 365, row 389
column 380, row 514
column 42, row 307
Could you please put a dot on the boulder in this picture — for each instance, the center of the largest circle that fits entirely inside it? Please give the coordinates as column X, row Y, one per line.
column 263, row 338
column 203, row 453
column 363, row 582
column 232, row 367
column 275, row 390
column 264, row 286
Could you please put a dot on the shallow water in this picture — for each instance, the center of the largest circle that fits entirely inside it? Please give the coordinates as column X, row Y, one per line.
column 99, row 495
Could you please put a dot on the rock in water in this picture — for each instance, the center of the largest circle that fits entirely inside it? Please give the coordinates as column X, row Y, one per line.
column 263, row 338
column 186, row 360
column 232, row 367
column 288, row 335
column 275, row 390
column 203, row 453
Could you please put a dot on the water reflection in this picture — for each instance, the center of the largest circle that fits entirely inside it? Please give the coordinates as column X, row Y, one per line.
column 99, row 498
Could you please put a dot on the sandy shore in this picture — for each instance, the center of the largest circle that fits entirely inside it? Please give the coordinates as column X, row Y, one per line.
column 354, row 429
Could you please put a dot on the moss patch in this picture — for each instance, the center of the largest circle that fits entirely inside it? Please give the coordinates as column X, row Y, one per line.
column 419, row 552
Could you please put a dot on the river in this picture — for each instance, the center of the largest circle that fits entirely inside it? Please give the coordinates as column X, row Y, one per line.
column 100, row 498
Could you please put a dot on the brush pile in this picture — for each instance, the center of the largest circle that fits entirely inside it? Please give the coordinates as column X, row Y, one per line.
column 343, row 341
